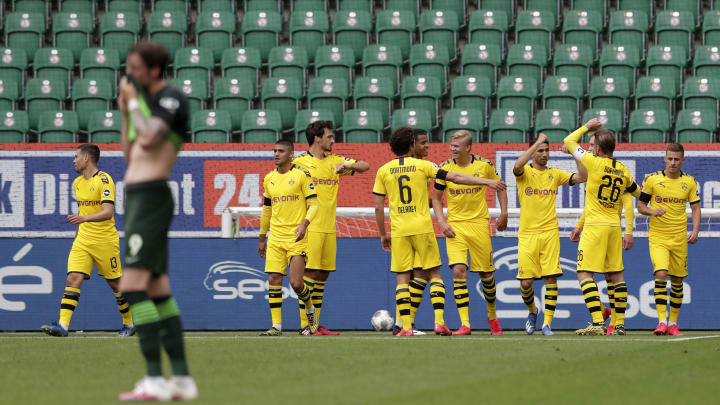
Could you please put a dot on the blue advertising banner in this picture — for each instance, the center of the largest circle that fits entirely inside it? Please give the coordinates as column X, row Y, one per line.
column 220, row 284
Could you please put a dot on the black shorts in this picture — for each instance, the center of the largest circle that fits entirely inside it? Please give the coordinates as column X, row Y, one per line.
column 148, row 211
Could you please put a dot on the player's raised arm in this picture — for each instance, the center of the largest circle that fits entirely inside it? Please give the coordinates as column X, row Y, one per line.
column 151, row 130
column 519, row 167
column 571, row 141
column 359, row 166
column 460, row 178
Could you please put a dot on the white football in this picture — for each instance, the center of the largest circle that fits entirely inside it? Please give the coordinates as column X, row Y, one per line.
column 382, row 320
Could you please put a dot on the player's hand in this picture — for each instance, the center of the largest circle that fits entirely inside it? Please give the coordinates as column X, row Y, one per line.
column 542, row 138
column 75, row 219
column 575, row 235
column 127, row 90
column 343, row 167
column 565, row 150
column 447, row 230
column 659, row 212
column 593, row 124
column 261, row 248
column 692, row 237
column 122, row 104
column 501, row 222
column 496, row 185
column 300, row 232
column 628, row 242
column 385, row 242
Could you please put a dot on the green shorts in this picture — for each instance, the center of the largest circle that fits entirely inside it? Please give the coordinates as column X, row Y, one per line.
column 148, row 211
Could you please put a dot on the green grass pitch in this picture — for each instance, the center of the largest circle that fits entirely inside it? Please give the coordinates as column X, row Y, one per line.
column 376, row 368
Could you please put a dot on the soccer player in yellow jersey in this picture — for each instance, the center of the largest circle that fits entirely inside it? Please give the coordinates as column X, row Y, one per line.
column 628, row 242
column 290, row 204
column 601, row 243
column 668, row 192
column 326, row 170
column 404, row 181
column 467, row 229
column 539, row 235
column 96, row 241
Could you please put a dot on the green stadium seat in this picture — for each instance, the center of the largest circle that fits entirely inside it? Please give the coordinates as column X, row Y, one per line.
column 489, row 27
column 328, row 94
column 264, row 5
column 535, row 28
column 262, row 30
column 119, row 31
column 564, row 94
column 507, row 7
column 693, row 7
column 169, row 29
column 574, row 61
column 25, row 31
column 675, row 29
column 283, row 96
column 308, row 29
column 89, row 96
column 696, row 126
column 194, row 64
column 41, row 7
column 610, row 119
column 78, row 6
column 481, row 61
column 101, row 65
column 55, row 65
column 440, row 28
column 336, row 62
column 583, row 28
column 13, row 65
column 261, row 126
column 629, row 28
column 353, row 29
column 527, row 61
column 196, row 92
column 473, row 94
column 412, row 6
column 610, row 93
column 396, row 28
column 364, row 126
column 457, row 119
column 460, row 7
column 643, row 6
column 655, row 93
column 407, row 117
column 508, row 126
column 125, row 6
column 172, row 6
column 648, row 126
column 105, row 127
column 215, row 31
column 355, row 5
column 216, row 6
column 667, row 62
column 620, row 61
column 701, row 93
column 210, row 126
column 375, row 93
column 711, row 28
column 43, row 95
column 422, row 93
column 289, row 62
column 545, row 6
column 234, row 96
column 430, row 61
column 517, row 94
column 383, row 61
column 597, row 6
column 58, row 126
column 306, row 5
column 242, row 64
column 556, row 124
column 14, row 126
column 306, row 117
column 9, row 96
column 72, row 31
column 706, row 62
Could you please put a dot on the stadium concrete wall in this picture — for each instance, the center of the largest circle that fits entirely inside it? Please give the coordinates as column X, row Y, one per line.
column 220, row 284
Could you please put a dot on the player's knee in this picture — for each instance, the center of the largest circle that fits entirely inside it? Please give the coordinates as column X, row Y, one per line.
column 525, row 284
column 275, row 279
column 459, row 271
column 297, row 285
column 74, row 279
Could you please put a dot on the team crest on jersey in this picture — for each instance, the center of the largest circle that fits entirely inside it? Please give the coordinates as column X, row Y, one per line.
column 684, row 186
column 104, row 179
column 291, row 182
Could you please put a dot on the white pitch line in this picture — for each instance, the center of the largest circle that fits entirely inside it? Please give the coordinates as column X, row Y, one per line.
column 694, row 338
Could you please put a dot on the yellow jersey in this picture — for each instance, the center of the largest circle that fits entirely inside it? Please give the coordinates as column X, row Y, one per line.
column 627, row 205
column 537, row 192
column 672, row 195
column 287, row 193
column 90, row 195
column 326, row 183
column 467, row 203
column 405, row 181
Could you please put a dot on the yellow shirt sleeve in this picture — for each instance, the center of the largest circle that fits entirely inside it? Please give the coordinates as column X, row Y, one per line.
column 265, row 181
column 571, row 142
column 379, row 187
column 693, row 193
column 647, row 186
column 429, row 168
column 581, row 221
column 342, row 159
column 107, row 189
column 563, row 177
column 308, row 186
column 627, row 202
column 490, row 172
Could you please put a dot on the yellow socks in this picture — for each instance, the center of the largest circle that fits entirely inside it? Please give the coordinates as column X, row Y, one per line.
column 402, row 300
column 124, row 309
column 676, row 297
column 551, row 294
column 318, row 291
column 462, row 300
column 661, row 298
column 67, row 305
column 275, row 301
column 307, row 288
column 528, row 297
column 621, row 295
column 488, row 286
column 437, row 297
column 592, row 299
column 417, row 288
column 611, row 299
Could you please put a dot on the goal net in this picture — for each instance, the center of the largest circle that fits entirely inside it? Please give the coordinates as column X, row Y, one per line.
column 359, row 222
